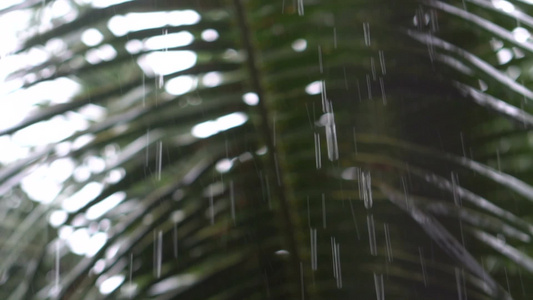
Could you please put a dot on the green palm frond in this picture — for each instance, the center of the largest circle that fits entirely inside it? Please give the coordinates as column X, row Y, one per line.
column 365, row 149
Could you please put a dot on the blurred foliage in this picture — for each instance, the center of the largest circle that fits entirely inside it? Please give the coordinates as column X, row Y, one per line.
column 406, row 176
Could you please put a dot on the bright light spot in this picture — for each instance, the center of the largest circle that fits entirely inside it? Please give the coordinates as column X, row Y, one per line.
column 102, row 207
column 99, row 266
column 180, row 85
column 177, row 216
column 65, row 231
column 78, row 241
column 262, row 151
column 171, row 283
column 111, row 284
column 18, row 105
column 40, row 185
column 251, row 99
column 57, row 218
column 314, row 88
column 60, row 8
column 504, row 56
column 224, row 165
column 82, row 141
column 105, row 52
column 212, row 79
column 514, row 72
column 95, row 164
column 299, row 45
column 8, row 3
column 168, row 62
column 82, row 197
column 56, row 46
column 96, row 242
column 209, row 35
column 93, row 112
column 11, row 151
column 115, row 175
column 82, row 173
column 16, row 21
column 61, row 169
column 92, row 37
column 282, row 252
column 506, row 6
column 134, row 46
column 496, row 44
column 169, row 40
column 223, row 123
column 122, row 24
column 45, row 132
column 106, row 3
column 521, row 34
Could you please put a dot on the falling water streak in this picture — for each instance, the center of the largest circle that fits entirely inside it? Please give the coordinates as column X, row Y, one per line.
column 309, row 116
column 366, row 30
column 147, row 147
column 334, row 257
column 423, row 266
column 302, row 280
column 232, row 200
column 382, row 62
column 464, row 5
column 308, row 213
column 387, row 242
column 354, row 221
column 339, row 270
column 154, row 255
column 459, row 284
column 324, row 96
column 335, row 37
column 368, row 86
column 455, row 184
column 521, row 281
column 373, row 68
column 130, row 280
column 159, row 160
column 331, row 135
column 144, row 91
column 175, row 239
column 274, row 129
column 320, row 59
column 359, row 91
column 159, row 252
column 434, row 21
column 462, row 144
column 498, row 159
column 383, row 96
column 276, row 165
column 318, row 155
column 366, row 184
column 267, row 182
column 58, row 248
column 345, row 78
column 404, row 185
column 211, row 207
column 314, row 248
column 380, row 288
column 300, row 7
column 371, row 234
column 355, row 141
column 161, row 81
column 324, row 211
column 507, row 280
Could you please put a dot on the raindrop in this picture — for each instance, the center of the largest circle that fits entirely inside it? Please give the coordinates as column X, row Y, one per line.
column 383, row 96
column 504, row 55
column 159, row 159
column 159, row 252
column 373, row 68
column 366, row 30
column 324, row 211
column 369, row 86
column 314, row 249
column 299, row 45
column 371, row 234
column 380, row 288
column 388, row 242
column 423, row 265
column 366, row 189
column 355, row 221
column 314, row 88
column 232, row 200
column 300, row 7
column 382, row 62
column 320, row 59
column 335, row 37
column 318, row 156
